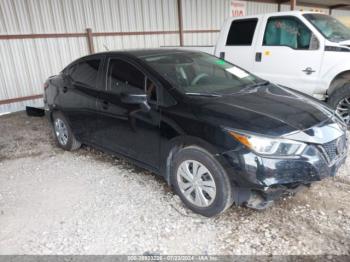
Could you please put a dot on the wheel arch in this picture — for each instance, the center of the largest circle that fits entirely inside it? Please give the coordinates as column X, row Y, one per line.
column 339, row 80
column 52, row 111
column 175, row 145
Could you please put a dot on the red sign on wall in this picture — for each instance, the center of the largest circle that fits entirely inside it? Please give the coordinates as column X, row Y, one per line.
column 238, row 8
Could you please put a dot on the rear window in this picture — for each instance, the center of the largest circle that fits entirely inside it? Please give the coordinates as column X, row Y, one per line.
column 241, row 32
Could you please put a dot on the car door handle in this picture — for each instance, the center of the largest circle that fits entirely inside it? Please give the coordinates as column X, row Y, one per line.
column 105, row 105
column 64, row 89
column 258, row 57
column 308, row 71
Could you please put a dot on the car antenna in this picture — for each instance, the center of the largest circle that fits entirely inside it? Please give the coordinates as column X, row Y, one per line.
column 107, row 49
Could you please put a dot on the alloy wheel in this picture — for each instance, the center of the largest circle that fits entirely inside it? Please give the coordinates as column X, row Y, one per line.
column 61, row 131
column 343, row 109
column 196, row 183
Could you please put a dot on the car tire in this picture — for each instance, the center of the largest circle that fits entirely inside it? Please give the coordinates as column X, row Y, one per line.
column 340, row 101
column 210, row 183
column 63, row 133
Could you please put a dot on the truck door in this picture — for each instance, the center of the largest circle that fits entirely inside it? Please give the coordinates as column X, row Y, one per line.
column 236, row 43
column 289, row 53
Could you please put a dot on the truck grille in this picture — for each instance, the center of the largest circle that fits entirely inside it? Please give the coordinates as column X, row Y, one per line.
column 332, row 150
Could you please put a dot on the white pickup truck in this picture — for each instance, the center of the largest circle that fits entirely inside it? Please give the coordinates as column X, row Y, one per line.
column 306, row 51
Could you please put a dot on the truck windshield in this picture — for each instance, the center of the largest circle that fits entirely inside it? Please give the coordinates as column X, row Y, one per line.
column 195, row 73
column 329, row 27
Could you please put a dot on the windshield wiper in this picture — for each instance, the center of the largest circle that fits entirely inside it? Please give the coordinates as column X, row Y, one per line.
column 262, row 83
column 202, row 94
column 255, row 85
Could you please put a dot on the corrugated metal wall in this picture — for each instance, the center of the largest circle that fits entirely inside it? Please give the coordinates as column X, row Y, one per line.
column 26, row 63
column 70, row 16
column 286, row 7
column 255, row 8
column 131, row 16
column 210, row 14
column 339, row 12
column 202, row 15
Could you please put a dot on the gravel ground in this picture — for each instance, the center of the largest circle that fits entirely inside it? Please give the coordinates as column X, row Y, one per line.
column 87, row 202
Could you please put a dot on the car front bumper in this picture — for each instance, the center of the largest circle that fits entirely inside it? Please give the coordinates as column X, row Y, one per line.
column 253, row 176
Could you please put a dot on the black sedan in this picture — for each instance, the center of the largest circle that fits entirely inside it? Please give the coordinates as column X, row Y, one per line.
column 217, row 134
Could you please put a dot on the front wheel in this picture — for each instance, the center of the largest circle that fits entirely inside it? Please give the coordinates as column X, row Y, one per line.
column 201, row 182
column 340, row 101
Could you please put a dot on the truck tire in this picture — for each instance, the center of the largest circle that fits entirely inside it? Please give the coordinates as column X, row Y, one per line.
column 200, row 181
column 340, row 101
column 63, row 133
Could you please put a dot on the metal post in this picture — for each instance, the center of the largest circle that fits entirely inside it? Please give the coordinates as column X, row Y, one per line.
column 293, row 4
column 90, row 40
column 179, row 13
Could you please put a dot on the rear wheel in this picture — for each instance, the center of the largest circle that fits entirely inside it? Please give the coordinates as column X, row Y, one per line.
column 340, row 101
column 63, row 133
column 200, row 181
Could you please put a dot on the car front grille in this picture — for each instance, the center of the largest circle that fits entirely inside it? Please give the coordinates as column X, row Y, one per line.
column 334, row 149
column 330, row 149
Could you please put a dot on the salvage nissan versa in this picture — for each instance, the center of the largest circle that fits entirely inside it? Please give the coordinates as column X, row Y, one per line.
column 217, row 134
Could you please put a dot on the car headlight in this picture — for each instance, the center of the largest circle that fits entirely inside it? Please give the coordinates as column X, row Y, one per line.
column 269, row 146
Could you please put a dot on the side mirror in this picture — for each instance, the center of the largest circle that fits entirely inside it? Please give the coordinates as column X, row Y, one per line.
column 136, row 99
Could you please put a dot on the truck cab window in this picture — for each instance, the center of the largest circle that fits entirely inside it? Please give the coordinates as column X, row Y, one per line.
column 289, row 31
column 241, row 32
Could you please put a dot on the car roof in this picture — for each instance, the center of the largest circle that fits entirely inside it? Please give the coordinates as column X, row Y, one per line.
column 146, row 52
column 137, row 53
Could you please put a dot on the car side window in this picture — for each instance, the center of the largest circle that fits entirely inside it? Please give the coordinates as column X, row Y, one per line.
column 151, row 91
column 289, row 31
column 123, row 76
column 85, row 72
column 241, row 32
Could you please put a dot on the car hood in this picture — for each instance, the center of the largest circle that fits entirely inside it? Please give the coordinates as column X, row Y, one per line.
column 268, row 110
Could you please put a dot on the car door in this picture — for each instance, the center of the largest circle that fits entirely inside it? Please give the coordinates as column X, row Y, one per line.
column 289, row 53
column 127, row 128
column 78, row 96
column 238, row 47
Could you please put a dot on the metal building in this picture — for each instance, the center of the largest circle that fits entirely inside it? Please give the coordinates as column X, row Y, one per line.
column 39, row 37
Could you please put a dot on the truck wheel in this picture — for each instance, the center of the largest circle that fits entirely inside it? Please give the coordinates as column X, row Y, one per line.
column 63, row 133
column 201, row 182
column 340, row 101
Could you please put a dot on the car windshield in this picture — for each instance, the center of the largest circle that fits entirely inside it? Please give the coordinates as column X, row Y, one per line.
column 196, row 73
column 329, row 27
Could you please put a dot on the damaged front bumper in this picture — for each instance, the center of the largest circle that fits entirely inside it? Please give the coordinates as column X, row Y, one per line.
column 257, row 181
